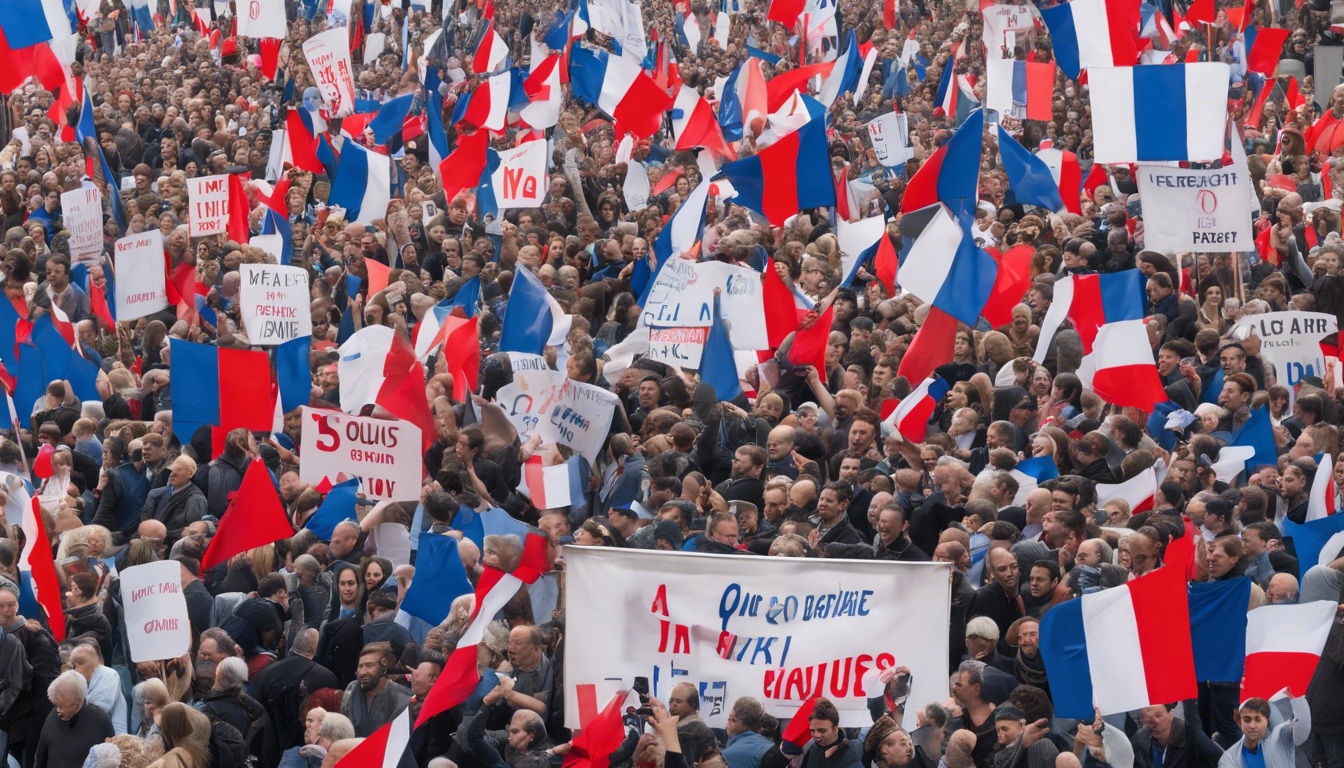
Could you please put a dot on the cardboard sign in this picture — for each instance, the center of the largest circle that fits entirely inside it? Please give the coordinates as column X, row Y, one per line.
column 328, row 57
column 1196, row 210
column 778, row 629
column 890, row 139
column 141, row 275
column 383, row 453
column 209, row 197
column 562, row 411
column 683, row 296
column 82, row 212
column 157, row 625
column 275, row 304
column 681, row 347
column 1291, row 343
column 520, row 181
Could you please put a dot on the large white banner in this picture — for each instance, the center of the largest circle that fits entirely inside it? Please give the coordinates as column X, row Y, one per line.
column 383, row 453
column 547, row 403
column 780, row 630
column 275, row 304
column 1196, row 210
column 520, row 179
column 328, row 57
column 209, row 197
column 82, row 212
column 262, row 18
column 1291, row 343
column 683, row 296
column 157, row 625
column 141, row 275
column 890, row 139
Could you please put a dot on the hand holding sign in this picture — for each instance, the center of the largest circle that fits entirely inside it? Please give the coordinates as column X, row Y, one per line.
column 157, row 625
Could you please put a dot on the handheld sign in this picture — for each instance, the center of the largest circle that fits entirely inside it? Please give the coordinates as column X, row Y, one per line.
column 328, row 57
column 209, row 205
column 274, row 303
column 82, row 211
column 141, row 275
column 157, row 625
column 383, row 453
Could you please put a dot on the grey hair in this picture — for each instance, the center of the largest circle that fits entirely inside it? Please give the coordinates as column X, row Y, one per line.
column 231, row 673
column 307, row 562
column 984, row 627
column 1104, row 547
column 350, row 523
column 68, row 682
column 974, row 670
column 335, row 727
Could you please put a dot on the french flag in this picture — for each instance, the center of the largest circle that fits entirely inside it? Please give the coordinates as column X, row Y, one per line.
column 911, row 416
column 1321, row 502
column 29, row 22
column 225, row 388
column 1091, row 33
column 487, row 105
column 1031, row 473
column 1139, row 491
column 363, row 184
column 1029, row 178
column 547, row 487
column 1067, row 173
column 845, row 74
column 1107, row 312
column 617, row 86
column 391, row 118
column 1159, row 112
column 1123, row 648
column 533, row 319
column 37, row 567
column 859, row 243
column 681, row 234
column 952, row 172
column 438, row 137
column 694, row 124
column 491, row 53
column 791, row 174
column 956, row 93
column 1283, row 647
column 544, row 96
column 1020, row 82
column 440, row 578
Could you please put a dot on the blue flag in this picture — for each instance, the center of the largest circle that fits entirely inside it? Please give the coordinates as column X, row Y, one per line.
column 338, row 506
column 1218, row 620
column 718, row 368
column 439, row 579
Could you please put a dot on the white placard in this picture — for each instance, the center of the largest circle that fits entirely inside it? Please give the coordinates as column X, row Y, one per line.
column 141, row 275
column 209, row 197
column 683, row 296
column 890, row 139
column 1196, row 210
column 275, row 303
column 157, row 625
column 680, row 347
column 778, row 629
column 520, row 181
column 262, row 18
column 328, row 57
column 562, row 411
column 82, row 212
column 1000, row 19
column 383, row 453
column 1291, row 343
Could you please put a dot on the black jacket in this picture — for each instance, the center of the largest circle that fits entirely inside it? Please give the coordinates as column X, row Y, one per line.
column 276, row 681
column 89, row 619
column 1188, row 747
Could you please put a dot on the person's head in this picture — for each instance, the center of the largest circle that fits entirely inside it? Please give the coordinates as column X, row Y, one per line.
column 982, row 635
column 833, row 502
column 1009, row 723
column 1253, row 717
column 425, row 674
column 215, row 646
column 684, row 700
column 746, row 716
column 1144, row 555
column 182, row 470
column 526, row 644
column 1224, row 554
column 967, row 685
column 891, row 523
column 335, row 727
column 748, row 461
column 67, row 694
column 1157, row 719
column 1043, row 579
column 526, row 729
column 347, row 587
column 723, row 528
column 9, row 602
column 1004, row 570
column 824, row 723
column 344, row 537
column 372, row 668
column 1282, row 588
column 230, row 674
column 1028, row 631
column 85, row 659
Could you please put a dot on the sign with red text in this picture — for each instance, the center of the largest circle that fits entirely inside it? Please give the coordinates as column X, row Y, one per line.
column 383, row 453
column 157, row 626
column 780, row 629
column 262, row 18
column 328, row 57
column 275, row 305
column 681, row 347
column 209, row 196
column 520, row 180
column 82, row 212
column 141, row 275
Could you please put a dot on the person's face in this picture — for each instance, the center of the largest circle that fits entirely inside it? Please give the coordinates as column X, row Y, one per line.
column 1040, row 583
column 726, row 532
column 348, row 586
column 1233, row 397
column 519, row 738
column 1142, row 554
column 210, row 651
column 521, row 650
column 310, row 725
column 370, row 671
column 824, row 732
column 979, row 647
column 648, row 394
column 965, row 692
column 1291, row 483
column 742, row 465
column 679, row 703
column 373, row 576
column 849, row 470
column 1158, row 720
column 1009, row 731
column 9, row 607
column 554, row 526
column 1167, row 361
column 584, row 538
column 775, row 502
column 422, row 679
column 1255, row 546
column 829, row 506
column 1088, row 554
column 67, row 706
column 179, row 474
column 1220, row 563
column 861, row 435
column 897, row 749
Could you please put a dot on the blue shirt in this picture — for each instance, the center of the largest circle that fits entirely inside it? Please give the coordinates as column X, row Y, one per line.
column 1251, row 759
column 745, row 750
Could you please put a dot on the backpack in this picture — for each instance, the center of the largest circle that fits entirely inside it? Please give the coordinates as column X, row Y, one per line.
column 227, row 749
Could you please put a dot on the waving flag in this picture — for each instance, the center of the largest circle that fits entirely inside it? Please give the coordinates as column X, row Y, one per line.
column 544, row 96
column 227, row 388
column 30, row 22
column 533, row 319
column 789, row 175
column 718, row 365
column 956, row 93
column 844, row 75
column 487, row 105
column 1159, row 112
column 1283, row 647
column 689, row 29
column 693, row 124
column 952, row 172
column 1029, row 178
column 255, row 518
column 440, row 578
column 1030, row 473
column 363, row 184
column 1139, row 491
column 546, row 487
column 680, row 235
column 1321, row 502
column 1066, row 172
column 1090, row 33
column 1027, row 83
column 492, row 51
column 391, row 117
column 618, row 86
column 911, row 416
column 37, row 567
column 86, row 134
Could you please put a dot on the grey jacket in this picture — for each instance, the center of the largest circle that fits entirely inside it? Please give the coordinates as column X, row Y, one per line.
column 1290, row 719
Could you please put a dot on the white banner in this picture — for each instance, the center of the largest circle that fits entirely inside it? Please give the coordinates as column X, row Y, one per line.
column 681, row 347
column 520, row 180
column 683, row 296
column 261, row 18
column 383, row 453
column 157, row 625
column 328, row 57
column 1001, row 19
column 275, row 303
column 209, row 198
column 141, row 275
column 82, row 212
column 1291, row 343
column 562, row 411
column 1196, row 210
column 780, row 630
column 890, row 139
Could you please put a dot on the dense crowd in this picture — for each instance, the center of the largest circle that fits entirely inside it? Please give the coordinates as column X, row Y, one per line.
column 295, row 652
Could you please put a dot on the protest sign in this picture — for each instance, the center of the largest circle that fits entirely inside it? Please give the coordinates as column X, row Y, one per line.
column 683, row 296
column 1196, row 210
column 1291, row 343
column 261, row 18
column 890, row 139
column 82, row 212
column 328, row 57
column 1002, row 19
column 780, row 630
column 157, row 626
column 141, row 275
column 563, row 411
column 681, row 347
column 209, row 205
column 383, row 453
column 274, row 303
column 520, row 180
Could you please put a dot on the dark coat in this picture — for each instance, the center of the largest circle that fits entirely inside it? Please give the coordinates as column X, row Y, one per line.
column 1187, row 748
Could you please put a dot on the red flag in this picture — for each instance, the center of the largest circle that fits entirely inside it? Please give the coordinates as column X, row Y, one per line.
column 1095, row 178
column 462, row 354
column 885, row 263
column 1200, row 11
column 931, row 347
column 302, row 144
column 98, row 303
column 781, row 313
column 1013, row 280
column 276, row 200
column 780, row 87
column 922, row 189
column 254, row 518
column 378, row 275
column 238, row 210
column 269, row 48
column 602, row 735
column 41, row 566
column 799, row 729
column 1253, row 117
column 403, row 390
column 809, row 345
column 1264, row 55
column 889, row 14
column 785, row 11
column 462, row 169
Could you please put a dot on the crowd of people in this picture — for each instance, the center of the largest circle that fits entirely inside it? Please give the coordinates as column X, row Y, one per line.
column 296, row 656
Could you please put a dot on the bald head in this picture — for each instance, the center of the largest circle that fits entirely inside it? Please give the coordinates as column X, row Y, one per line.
column 952, row 552
column 780, row 442
column 153, row 529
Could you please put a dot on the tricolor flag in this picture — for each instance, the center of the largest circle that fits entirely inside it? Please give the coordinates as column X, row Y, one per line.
column 30, row 22
column 1066, row 172
column 547, row 487
column 1029, row 178
column 363, row 184
column 533, row 319
column 1159, row 112
column 37, row 567
column 911, row 416
column 491, row 53
column 1321, row 502
column 1283, row 647
column 689, row 28
column 391, row 118
column 487, row 105
column 694, row 124
column 440, row 578
column 1031, row 473
column 845, row 74
column 544, row 96
column 952, row 172
column 1139, row 491
column 1028, row 83
column 438, row 137
column 956, row 93
column 86, row 134
column 680, row 235
column 1091, row 33
column 791, row 174
column 859, row 242
column 226, row 388
column 617, row 86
